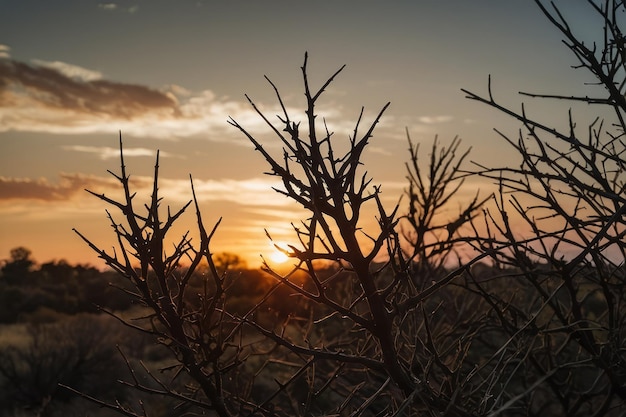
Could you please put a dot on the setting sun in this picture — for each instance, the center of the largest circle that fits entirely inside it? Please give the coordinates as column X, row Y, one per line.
column 276, row 255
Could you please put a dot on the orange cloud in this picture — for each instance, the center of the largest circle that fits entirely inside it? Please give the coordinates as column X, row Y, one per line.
column 257, row 193
column 249, row 192
column 43, row 190
column 106, row 152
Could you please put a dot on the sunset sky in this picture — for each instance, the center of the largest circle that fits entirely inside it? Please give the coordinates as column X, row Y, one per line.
column 168, row 75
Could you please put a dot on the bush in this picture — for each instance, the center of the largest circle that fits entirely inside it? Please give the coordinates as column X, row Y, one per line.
column 428, row 331
column 78, row 351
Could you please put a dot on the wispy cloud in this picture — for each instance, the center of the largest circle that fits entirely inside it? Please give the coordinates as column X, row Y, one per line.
column 256, row 195
column 435, row 119
column 248, row 192
column 4, row 51
column 107, row 6
column 105, row 152
column 379, row 150
column 61, row 98
column 42, row 189
column 115, row 7
column 48, row 99
column 111, row 7
column 74, row 72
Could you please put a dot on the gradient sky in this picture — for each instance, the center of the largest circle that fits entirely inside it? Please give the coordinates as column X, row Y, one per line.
column 168, row 74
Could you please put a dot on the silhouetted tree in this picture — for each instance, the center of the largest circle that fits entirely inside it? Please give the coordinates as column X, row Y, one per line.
column 207, row 343
column 227, row 260
column 558, row 229
column 542, row 333
column 18, row 266
column 375, row 358
column 436, row 236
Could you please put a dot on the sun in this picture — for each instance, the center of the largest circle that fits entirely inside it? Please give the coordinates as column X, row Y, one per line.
column 277, row 256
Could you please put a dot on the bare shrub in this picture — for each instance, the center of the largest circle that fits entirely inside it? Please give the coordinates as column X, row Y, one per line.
column 207, row 346
column 427, row 332
column 558, row 306
column 387, row 353
column 78, row 351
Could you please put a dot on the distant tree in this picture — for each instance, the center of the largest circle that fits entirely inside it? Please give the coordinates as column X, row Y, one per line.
column 18, row 266
column 227, row 260
column 21, row 254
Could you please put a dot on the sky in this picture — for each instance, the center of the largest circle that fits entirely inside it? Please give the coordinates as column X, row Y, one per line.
column 169, row 74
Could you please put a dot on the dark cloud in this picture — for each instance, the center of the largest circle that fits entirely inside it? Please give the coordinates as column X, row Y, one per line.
column 68, row 186
column 61, row 98
column 50, row 88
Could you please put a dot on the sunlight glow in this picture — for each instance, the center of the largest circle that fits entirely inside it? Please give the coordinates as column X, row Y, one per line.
column 277, row 256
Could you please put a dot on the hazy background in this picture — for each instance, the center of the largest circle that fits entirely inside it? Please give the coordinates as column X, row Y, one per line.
column 169, row 74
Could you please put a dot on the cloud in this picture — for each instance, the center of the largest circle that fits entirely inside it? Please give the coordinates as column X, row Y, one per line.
column 257, row 195
column 60, row 98
column 379, row 150
column 107, row 6
column 46, row 96
column 71, row 71
column 262, row 213
column 247, row 192
column 111, row 7
column 105, row 152
column 43, row 190
column 435, row 119
column 4, row 51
